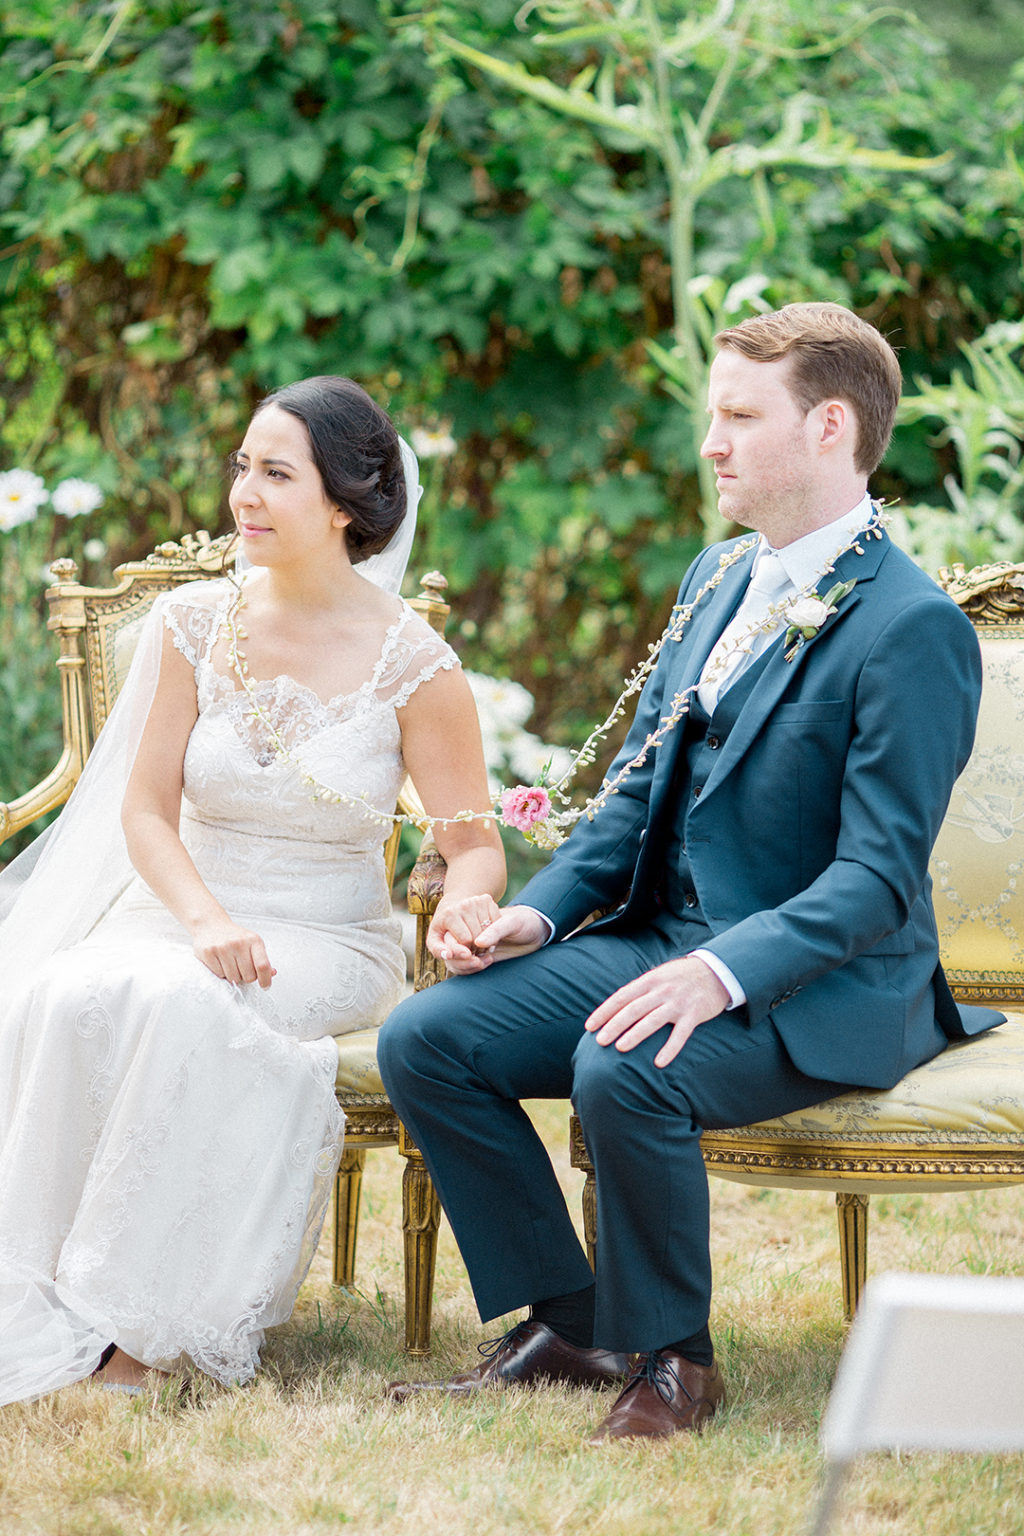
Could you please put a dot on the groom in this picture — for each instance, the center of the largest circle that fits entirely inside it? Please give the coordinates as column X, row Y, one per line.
column 769, row 938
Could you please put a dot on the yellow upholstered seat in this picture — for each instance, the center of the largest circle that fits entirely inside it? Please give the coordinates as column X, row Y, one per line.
column 98, row 629
column 958, row 1121
column 971, row 1093
column 358, row 1073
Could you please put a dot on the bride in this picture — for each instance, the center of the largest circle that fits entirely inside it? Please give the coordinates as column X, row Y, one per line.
column 212, row 909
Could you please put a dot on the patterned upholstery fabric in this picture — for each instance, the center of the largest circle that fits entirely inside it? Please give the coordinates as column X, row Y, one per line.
column 973, row 1093
column 121, row 647
column 979, row 857
column 357, row 1063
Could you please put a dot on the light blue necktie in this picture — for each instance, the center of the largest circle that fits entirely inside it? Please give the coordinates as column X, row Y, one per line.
column 732, row 654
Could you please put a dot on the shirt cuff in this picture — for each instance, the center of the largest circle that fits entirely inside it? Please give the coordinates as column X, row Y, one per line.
column 737, row 996
column 543, row 917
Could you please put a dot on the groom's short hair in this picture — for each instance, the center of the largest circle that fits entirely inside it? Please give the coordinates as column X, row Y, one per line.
column 835, row 356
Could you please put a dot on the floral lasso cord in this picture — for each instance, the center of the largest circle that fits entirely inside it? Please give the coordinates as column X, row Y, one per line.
column 531, row 808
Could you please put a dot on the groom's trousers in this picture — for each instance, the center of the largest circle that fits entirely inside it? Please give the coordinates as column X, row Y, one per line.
column 456, row 1060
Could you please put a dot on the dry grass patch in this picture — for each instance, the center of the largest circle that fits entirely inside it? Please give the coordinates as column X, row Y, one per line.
column 313, row 1447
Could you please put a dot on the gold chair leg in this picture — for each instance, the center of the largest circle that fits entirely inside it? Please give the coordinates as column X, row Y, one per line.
column 852, row 1214
column 590, row 1216
column 421, row 1217
column 347, row 1187
column 579, row 1157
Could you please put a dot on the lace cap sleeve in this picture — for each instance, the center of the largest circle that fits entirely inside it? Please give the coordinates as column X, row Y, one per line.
column 193, row 614
column 414, row 653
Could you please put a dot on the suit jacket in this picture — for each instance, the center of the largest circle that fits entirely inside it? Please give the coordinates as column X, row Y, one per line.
column 810, row 841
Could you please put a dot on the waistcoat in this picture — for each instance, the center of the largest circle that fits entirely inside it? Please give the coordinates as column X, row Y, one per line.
column 703, row 738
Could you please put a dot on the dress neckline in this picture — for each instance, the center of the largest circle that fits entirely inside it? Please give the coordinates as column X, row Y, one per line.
column 366, row 688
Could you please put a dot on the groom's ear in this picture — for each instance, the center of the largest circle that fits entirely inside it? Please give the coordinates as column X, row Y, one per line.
column 834, row 422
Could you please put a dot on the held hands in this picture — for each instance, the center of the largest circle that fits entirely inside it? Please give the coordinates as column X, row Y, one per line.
column 681, row 993
column 233, row 953
column 470, row 933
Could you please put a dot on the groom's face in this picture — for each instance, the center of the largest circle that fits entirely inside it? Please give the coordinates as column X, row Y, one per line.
column 763, row 447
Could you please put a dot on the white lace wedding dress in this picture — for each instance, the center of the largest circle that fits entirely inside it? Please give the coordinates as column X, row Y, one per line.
column 167, row 1140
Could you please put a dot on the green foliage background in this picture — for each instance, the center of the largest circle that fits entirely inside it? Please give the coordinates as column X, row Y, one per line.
column 201, row 201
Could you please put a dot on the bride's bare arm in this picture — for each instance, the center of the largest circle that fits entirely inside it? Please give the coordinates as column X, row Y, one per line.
column 444, row 756
column 150, row 816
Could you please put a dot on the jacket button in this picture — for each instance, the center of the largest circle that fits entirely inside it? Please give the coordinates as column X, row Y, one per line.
column 696, row 791
column 714, row 742
column 689, row 900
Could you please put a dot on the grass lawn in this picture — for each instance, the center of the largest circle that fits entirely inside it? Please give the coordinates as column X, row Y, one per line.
column 311, row 1446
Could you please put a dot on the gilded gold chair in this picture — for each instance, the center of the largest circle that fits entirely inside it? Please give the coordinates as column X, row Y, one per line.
column 97, row 630
column 957, row 1122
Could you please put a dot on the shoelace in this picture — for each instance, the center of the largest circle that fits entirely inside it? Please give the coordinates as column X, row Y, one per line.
column 656, row 1372
column 492, row 1347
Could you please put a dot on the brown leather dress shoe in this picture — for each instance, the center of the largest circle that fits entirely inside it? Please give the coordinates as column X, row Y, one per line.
column 665, row 1393
column 529, row 1353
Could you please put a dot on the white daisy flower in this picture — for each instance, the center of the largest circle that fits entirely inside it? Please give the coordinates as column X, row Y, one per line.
column 501, row 702
column 75, row 498
column 22, row 493
column 432, row 445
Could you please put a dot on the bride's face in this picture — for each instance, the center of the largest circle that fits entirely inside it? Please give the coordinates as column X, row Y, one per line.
column 277, row 497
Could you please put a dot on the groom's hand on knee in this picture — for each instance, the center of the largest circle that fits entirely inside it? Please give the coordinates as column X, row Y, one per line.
column 680, row 995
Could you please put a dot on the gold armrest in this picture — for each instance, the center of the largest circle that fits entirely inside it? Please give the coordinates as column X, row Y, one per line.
column 50, row 793
column 426, row 887
column 68, row 622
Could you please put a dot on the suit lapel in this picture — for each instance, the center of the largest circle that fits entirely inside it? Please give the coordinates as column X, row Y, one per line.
column 692, row 651
column 708, row 622
column 778, row 673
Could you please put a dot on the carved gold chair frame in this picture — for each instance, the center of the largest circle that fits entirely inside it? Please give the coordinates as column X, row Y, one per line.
column 958, row 1122
column 97, row 629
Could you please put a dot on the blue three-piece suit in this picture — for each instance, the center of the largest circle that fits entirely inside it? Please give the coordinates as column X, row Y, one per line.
column 789, row 835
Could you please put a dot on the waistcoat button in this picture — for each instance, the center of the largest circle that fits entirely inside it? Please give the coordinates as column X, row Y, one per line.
column 714, row 743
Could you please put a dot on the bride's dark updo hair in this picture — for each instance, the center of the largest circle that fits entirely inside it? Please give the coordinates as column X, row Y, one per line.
column 355, row 449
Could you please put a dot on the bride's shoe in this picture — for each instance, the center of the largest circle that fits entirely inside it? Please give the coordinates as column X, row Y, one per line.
column 118, row 1372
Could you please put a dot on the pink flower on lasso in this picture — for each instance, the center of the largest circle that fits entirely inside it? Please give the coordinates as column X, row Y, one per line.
column 523, row 806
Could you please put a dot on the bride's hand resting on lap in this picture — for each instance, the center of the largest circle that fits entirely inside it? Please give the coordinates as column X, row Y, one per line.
column 233, row 953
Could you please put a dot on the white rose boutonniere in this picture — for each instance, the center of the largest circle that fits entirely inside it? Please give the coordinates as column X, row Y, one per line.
column 808, row 613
